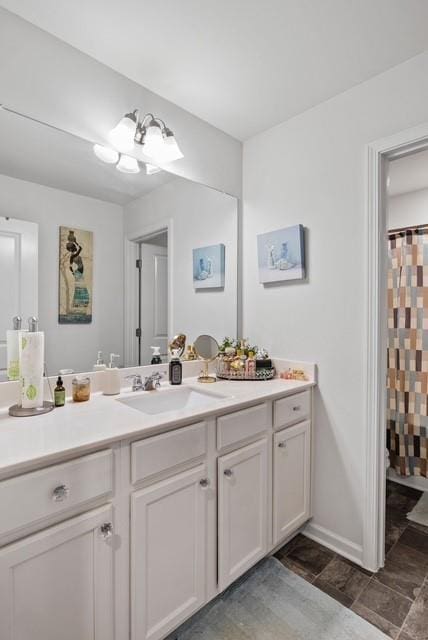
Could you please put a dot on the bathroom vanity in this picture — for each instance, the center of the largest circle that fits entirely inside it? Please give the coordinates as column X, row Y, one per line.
column 117, row 522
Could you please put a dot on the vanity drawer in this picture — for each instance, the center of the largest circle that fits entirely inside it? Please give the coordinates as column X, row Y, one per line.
column 41, row 494
column 168, row 450
column 292, row 409
column 240, row 425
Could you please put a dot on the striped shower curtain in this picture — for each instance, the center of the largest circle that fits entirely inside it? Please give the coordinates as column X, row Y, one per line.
column 407, row 379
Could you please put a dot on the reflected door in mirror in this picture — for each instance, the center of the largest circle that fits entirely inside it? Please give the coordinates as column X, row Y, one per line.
column 154, row 300
column 18, row 276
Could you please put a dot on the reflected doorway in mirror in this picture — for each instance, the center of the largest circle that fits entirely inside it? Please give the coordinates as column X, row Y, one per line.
column 75, row 276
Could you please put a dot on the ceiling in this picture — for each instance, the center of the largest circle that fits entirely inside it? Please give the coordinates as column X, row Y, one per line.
column 409, row 173
column 241, row 65
column 38, row 153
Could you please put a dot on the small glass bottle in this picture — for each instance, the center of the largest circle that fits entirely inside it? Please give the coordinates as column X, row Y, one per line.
column 59, row 393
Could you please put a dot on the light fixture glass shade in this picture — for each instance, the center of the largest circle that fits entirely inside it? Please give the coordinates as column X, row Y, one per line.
column 151, row 169
column 127, row 164
column 161, row 145
column 106, row 154
column 122, row 136
column 171, row 149
column 153, row 140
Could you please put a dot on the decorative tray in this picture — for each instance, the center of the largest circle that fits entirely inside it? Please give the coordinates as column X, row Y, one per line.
column 260, row 374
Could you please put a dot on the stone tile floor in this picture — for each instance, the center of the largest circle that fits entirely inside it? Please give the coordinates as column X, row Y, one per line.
column 396, row 598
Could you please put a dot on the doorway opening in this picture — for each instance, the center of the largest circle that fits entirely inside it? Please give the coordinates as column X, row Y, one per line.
column 152, row 297
column 397, row 339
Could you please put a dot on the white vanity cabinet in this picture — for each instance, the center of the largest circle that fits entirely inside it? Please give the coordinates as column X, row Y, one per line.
column 291, row 479
column 168, row 552
column 193, row 508
column 242, row 510
column 58, row 584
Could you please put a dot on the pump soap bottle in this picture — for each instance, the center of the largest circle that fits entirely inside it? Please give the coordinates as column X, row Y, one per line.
column 156, row 357
column 100, row 364
column 111, row 381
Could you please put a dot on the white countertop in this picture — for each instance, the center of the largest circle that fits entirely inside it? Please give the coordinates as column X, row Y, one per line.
column 103, row 420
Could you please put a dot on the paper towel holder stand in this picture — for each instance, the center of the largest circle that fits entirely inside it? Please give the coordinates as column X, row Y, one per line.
column 21, row 412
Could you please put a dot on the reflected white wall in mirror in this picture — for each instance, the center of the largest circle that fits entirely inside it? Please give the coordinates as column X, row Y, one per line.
column 62, row 183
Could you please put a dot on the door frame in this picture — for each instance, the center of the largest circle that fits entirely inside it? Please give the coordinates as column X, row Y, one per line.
column 378, row 155
column 131, row 255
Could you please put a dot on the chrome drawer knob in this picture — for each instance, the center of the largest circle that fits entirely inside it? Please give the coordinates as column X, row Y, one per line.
column 228, row 473
column 297, row 408
column 204, row 482
column 282, row 444
column 60, row 493
column 106, row 530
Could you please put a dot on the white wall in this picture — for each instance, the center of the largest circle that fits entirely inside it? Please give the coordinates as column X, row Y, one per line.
column 201, row 216
column 312, row 170
column 408, row 209
column 71, row 346
column 50, row 80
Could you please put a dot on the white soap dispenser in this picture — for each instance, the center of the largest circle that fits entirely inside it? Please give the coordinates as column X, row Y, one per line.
column 100, row 365
column 111, row 377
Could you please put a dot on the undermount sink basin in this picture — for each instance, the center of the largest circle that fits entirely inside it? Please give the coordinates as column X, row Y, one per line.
column 163, row 401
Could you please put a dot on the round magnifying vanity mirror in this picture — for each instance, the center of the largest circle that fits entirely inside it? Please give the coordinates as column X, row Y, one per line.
column 207, row 349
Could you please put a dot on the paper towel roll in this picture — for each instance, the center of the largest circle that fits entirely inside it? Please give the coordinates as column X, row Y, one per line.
column 31, row 363
column 12, row 345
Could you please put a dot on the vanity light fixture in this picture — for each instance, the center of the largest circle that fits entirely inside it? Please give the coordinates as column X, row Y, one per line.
column 157, row 140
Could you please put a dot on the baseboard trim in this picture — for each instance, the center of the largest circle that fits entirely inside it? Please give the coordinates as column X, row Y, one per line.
column 334, row 542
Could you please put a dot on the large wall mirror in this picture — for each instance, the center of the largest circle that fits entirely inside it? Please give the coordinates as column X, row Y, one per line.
column 108, row 261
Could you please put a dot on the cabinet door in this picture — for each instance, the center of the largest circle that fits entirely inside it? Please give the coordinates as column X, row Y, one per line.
column 291, row 484
column 242, row 510
column 168, row 555
column 58, row 584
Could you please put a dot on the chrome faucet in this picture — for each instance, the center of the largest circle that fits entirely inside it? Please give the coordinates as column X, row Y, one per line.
column 150, row 383
column 137, row 383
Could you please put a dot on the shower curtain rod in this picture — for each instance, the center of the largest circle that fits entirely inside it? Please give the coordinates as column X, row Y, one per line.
column 413, row 226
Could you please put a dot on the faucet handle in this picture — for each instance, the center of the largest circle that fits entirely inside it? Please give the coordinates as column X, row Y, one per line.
column 154, row 379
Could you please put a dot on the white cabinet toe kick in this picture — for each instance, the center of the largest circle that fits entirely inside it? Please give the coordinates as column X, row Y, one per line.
column 129, row 541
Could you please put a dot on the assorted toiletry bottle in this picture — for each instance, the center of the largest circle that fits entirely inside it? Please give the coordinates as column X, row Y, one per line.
column 156, row 357
column 111, row 381
column 175, row 368
column 59, row 393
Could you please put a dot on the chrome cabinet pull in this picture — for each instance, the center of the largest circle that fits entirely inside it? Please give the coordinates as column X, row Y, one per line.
column 204, row 482
column 228, row 473
column 106, row 530
column 282, row 444
column 60, row 493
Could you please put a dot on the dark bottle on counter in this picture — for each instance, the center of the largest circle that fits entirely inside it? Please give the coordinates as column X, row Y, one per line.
column 175, row 370
column 59, row 393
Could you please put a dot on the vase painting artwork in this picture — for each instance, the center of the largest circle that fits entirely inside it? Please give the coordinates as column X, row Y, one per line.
column 281, row 255
column 75, row 276
column 209, row 267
